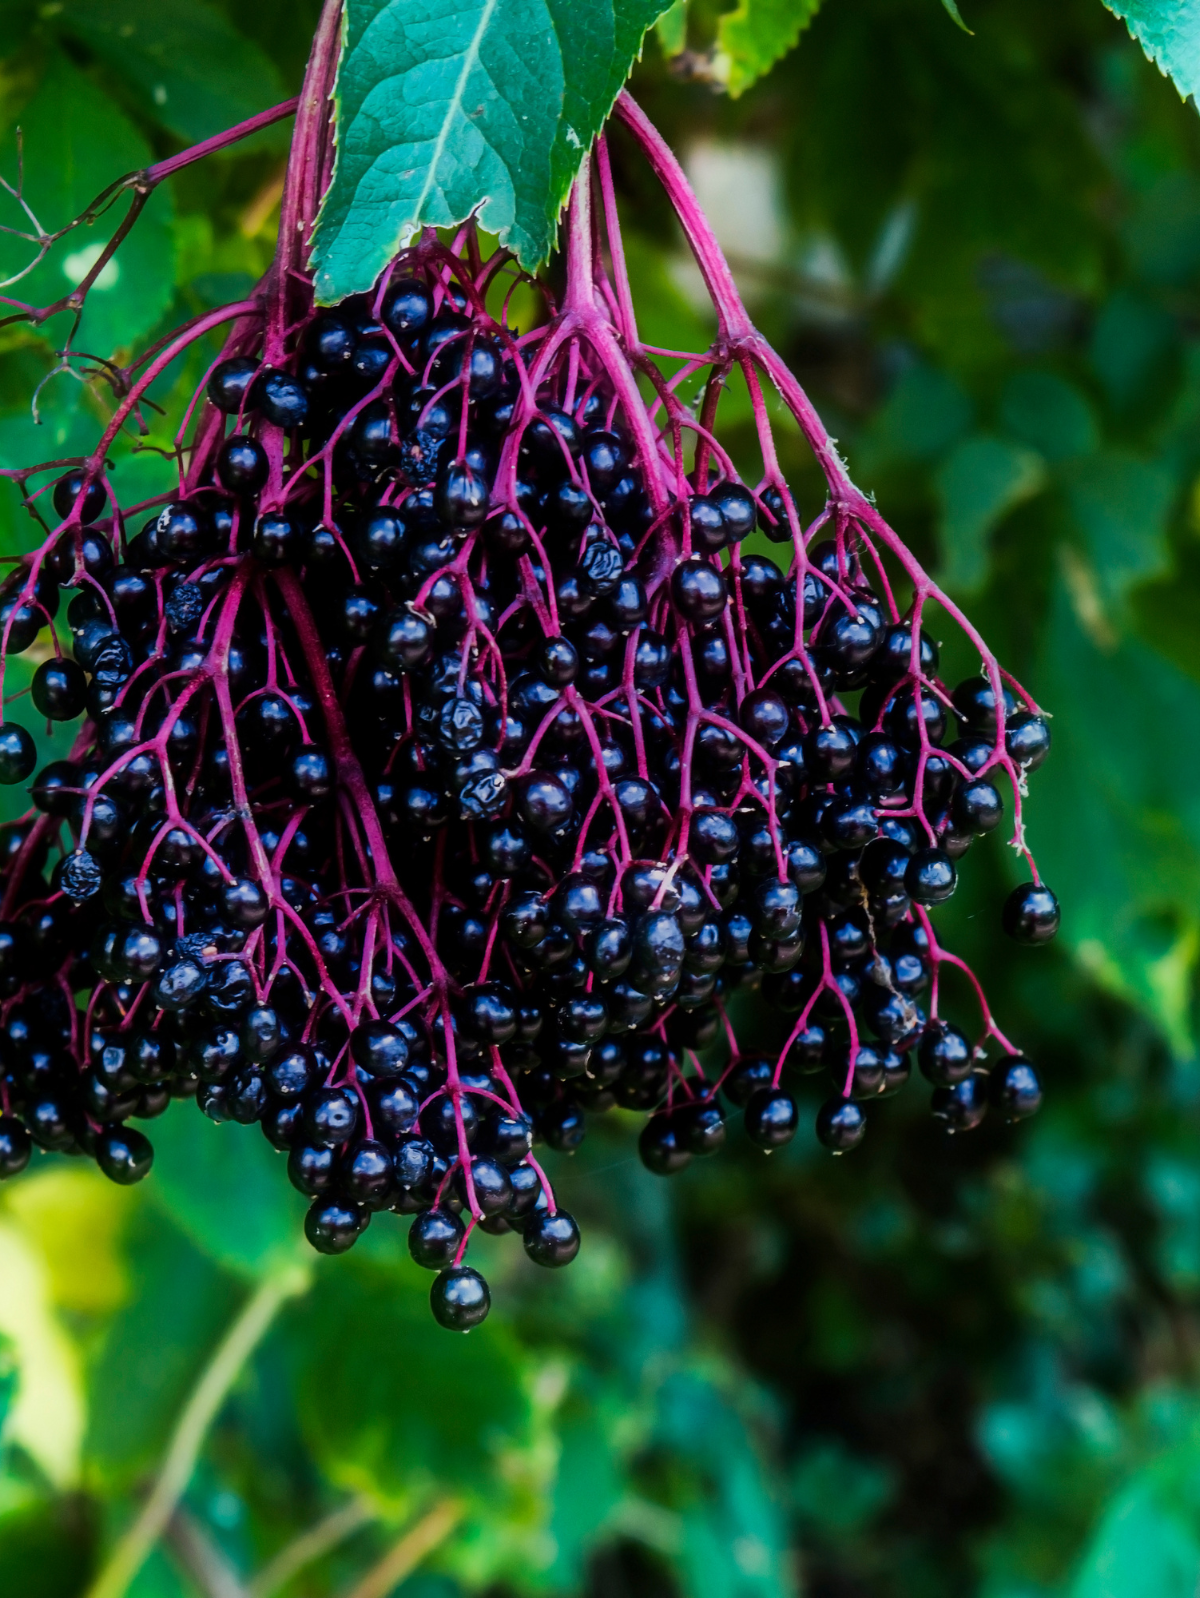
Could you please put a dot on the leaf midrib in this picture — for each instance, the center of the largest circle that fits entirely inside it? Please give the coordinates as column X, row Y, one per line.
column 455, row 104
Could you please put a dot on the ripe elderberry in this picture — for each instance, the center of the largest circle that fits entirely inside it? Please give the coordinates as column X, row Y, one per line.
column 449, row 762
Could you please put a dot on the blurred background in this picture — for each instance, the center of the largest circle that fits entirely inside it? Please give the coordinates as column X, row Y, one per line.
column 961, row 1367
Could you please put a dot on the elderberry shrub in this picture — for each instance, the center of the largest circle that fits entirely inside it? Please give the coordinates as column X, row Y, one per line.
column 448, row 765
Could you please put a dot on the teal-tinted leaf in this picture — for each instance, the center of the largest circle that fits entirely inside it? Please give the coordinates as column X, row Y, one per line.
column 155, row 1347
column 1131, row 343
column 1050, row 415
column 838, row 1493
column 1147, row 1545
column 923, row 416
column 445, row 110
column 1121, row 505
column 1172, row 1186
column 755, row 35
column 1169, row 32
column 194, row 72
column 384, row 1408
column 8, row 1381
column 734, row 1542
column 76, row 143
column 1115, row 822
column 1163, row 235
column 228, row 1190
column 979, row 484
column 588, row 1485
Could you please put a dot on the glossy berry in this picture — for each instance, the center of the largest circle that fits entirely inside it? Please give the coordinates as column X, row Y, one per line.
column 661, row 1146
column 66, row 495
column 433, row 1238
column 124, row 1155
column 841, row 1125
column 1031, row 914
column 962, row 1107
column 1027, row 740
column 944, row 1055
column 459, row 1299
column 16, row 1146
column 977, row 807
column 930, row 877
column 230, row 382
column 700, row 1126
column 242, row 464
column 18, row 753
column 332, row 1225
column 59, row 689
column 552, row 1240
column 698, row 590
column 771, row 1118
column 1013, row 1088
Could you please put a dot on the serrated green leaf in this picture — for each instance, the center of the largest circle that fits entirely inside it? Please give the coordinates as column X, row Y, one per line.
column 195, row 73
column 445, row 110
column 76, row 143
column 1169, row 32
column 754, row 36
column 979, row 484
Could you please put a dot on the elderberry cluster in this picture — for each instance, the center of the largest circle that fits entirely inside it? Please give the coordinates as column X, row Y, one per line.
column 447, row 764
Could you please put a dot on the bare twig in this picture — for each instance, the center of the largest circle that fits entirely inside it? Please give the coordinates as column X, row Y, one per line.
column 201, row 1558
column 310, row 1546
column 405, row 1555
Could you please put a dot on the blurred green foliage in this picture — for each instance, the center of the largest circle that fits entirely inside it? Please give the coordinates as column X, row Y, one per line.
column 939, row 1368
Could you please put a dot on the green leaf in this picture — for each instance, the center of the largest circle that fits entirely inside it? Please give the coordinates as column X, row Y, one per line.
column 387, row 1399
column 923, row 416
column 1172, row 1186
column 1115, row 822
column 1147, row 1544
column 1131, row 343
column 445, row 110
column 671, row 28
column 1169, row 32
column 228, row 1190
column 1050, row 415
column 754, row 36
column 76, row 143
column 1121, row 504
column 954, row 12
column 734, row 1542
column 195, row 73
column 979, row 484
column 154, row 1348
column 8, row 1380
